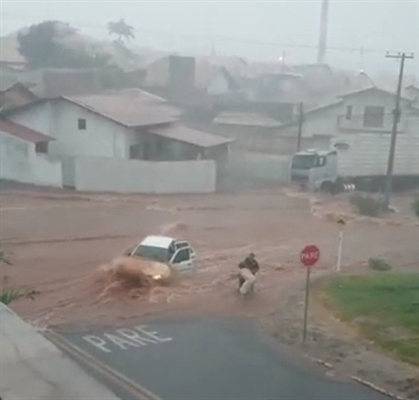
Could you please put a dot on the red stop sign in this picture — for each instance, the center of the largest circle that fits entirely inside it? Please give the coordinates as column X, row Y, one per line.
column 310, row 255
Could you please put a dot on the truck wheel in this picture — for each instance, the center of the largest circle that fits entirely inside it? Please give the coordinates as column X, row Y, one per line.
column 327, row 187
column 338, row 186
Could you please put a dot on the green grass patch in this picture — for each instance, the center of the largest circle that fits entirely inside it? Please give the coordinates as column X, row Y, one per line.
column 385, row 308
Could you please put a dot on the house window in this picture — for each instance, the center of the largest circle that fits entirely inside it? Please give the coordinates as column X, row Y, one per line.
column 342, row 146
column 349, row 112
column 82, row 124
column 373, row 116
column 41, row 147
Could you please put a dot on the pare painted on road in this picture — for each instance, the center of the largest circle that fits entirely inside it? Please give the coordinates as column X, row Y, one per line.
column 125, row 339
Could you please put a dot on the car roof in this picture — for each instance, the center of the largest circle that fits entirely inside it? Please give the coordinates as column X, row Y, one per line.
column 157, row 241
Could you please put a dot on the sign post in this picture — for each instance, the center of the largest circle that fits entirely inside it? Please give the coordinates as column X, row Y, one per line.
column 309, row 257
column 341, row 222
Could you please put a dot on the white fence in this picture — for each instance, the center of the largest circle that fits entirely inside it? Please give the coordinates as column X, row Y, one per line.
column 102, row 174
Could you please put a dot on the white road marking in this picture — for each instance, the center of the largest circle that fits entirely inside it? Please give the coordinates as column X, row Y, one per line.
column 97, row 342
column 125, row 339
column 154, row 335
column 120, row 341
column 135, row 337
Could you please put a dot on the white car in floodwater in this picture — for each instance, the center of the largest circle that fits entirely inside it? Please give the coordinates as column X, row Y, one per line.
column 178, row 254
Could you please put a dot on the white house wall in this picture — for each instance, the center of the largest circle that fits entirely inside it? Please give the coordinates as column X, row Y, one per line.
column 59, row 119
column 102, row 137
column 368, row 152
column 19, row 162
column 368, row 155
column 321, row 123
column 370, row 98
column 218, row 85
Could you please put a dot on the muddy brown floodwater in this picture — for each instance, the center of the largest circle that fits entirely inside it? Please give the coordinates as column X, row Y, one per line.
column 58, row 242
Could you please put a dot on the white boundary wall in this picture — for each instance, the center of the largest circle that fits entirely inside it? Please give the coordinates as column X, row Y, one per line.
column 103, row 174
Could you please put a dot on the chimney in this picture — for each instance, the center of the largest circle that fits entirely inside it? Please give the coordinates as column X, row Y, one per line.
column 181, row 76
column 323, row 33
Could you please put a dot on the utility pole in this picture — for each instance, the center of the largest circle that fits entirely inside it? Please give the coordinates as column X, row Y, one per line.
column 396, row 119
column 323, row 32
column 300, row 125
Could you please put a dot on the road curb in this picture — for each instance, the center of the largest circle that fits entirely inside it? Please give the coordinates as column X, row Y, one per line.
column 377, row 388
column 139, row 391
column 362, row 381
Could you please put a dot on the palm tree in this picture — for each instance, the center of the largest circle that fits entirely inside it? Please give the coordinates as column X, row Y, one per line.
column 122, row 30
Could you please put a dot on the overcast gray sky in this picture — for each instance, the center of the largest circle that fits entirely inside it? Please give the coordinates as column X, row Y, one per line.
column 237, row 27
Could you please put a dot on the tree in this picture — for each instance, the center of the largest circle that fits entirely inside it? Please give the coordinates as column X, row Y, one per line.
column 37, row 44
column 122, row 30
column 43, row 47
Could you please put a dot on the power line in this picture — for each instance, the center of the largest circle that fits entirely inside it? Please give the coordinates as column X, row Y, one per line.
column 213, row 38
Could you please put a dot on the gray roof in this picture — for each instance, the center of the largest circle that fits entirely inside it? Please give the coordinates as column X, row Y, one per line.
column 6, row 83
column 246, row 119
column 367, row 89
column 131, row 108
column 23, row 132
column 187, row 135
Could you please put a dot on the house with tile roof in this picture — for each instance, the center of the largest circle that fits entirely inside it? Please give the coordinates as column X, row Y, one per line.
column 365, row 113
column 128, row 125
column 359, row 122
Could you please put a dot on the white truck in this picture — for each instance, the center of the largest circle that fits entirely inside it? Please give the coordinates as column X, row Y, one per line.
column 179, row 254
column 357, row 162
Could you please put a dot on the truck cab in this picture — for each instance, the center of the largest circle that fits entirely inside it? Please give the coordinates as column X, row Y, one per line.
column 315, row 169
column 177, row 253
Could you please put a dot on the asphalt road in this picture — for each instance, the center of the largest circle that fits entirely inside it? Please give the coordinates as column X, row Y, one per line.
column 211, row 359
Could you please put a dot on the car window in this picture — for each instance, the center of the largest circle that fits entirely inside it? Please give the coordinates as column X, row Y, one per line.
column 152, row 253
column 304, row 161
column 181, row 245
column 321, row 161
column 181, row 256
